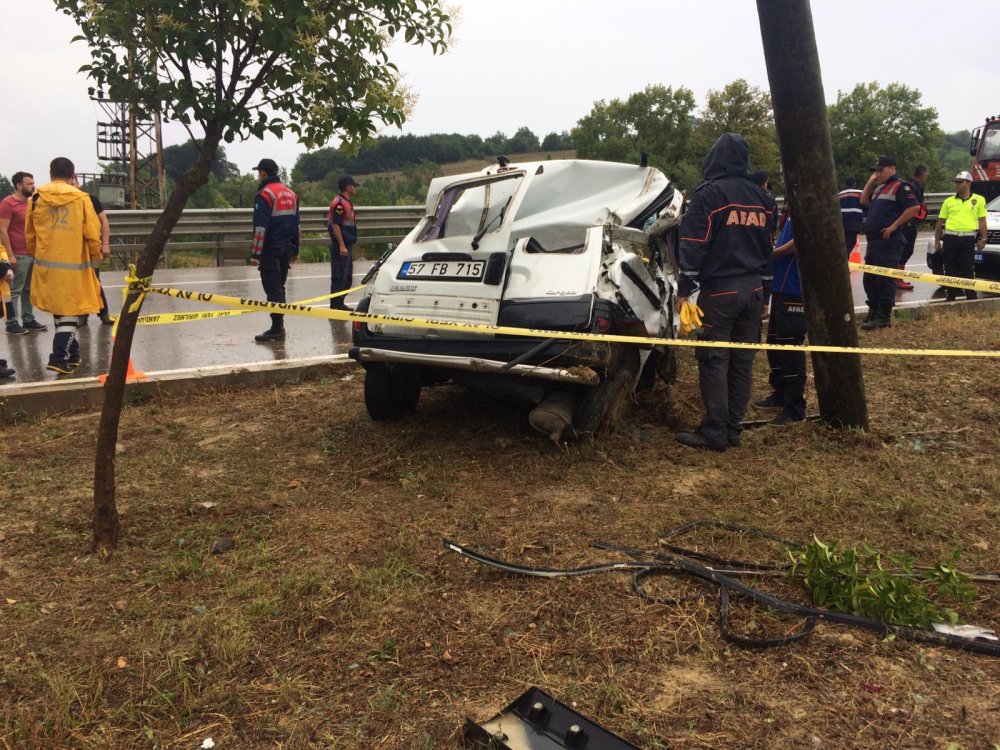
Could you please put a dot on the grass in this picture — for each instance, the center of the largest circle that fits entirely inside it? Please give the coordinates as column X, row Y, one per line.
column 338, row 621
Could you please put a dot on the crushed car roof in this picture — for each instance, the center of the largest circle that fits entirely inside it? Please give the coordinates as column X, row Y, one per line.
column 569, row 193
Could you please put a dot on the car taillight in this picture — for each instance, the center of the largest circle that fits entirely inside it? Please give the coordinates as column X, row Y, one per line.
column 602, row 325
column 356, row 326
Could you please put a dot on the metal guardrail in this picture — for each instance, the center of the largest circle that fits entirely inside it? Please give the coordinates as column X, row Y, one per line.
column 227, row 232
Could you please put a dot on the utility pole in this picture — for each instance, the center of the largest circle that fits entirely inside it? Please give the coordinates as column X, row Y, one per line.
column 135, row 149
column 793, row 70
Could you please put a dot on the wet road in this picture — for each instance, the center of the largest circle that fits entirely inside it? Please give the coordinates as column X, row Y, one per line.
column 221, row 341
column 229, row 341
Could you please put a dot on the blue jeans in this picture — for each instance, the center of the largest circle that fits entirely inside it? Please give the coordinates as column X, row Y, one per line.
column 20, row 290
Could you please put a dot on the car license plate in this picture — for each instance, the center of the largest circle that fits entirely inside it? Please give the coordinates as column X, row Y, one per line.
column 444, row 270
column 978, row 257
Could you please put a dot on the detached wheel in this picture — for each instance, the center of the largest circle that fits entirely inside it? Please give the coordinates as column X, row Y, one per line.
column 391, row 391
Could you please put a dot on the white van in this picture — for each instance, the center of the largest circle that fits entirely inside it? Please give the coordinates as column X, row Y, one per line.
column 569, row 245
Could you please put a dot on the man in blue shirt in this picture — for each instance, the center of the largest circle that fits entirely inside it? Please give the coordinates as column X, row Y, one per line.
column 787, row 326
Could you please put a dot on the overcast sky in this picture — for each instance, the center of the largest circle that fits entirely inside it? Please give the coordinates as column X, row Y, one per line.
column 543, row 63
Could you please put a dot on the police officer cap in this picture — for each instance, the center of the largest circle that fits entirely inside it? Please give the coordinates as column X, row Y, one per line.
column 963, row 177
column 884, row 161
column 267, row 165
column 346, row 180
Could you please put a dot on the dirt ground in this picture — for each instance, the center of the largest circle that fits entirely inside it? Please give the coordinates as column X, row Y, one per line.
column 338, row 620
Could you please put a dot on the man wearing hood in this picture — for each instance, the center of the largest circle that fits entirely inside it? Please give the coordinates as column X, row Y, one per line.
column 64, row 235
column 726, row 241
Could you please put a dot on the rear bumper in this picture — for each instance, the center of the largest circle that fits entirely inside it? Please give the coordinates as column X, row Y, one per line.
column 493, row 353
column 577, row 374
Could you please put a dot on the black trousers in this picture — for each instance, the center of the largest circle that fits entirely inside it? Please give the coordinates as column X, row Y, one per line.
column 850, row 240
column 881, row 290
column 958, row 255
column 787, row 326
column 273, row 267
column 909, row 241
column 341, row 274
column 731, row 308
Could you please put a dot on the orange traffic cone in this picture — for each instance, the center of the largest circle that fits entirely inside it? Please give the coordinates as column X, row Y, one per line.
column 856, row 252
column 131, row 375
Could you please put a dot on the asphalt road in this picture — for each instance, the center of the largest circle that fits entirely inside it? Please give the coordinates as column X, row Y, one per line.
column 226, row 341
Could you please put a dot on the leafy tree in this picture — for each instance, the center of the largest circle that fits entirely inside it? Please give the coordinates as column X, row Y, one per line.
column 656, row 121
column 6, row 188
column 740, row 108
column 871, row 120
column 179, row 159
column 522, row 142
column 562, row 141
column 496, row 144
column 233, row 69
column 953, row 157
column 239, row 191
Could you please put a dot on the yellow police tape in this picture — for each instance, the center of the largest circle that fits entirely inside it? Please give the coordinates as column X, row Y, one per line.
column 977, row 285
column 480, row 328
column 165, row 318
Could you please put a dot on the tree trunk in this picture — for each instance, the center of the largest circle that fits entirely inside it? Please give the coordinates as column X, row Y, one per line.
column 811, row 188
column 105, row 506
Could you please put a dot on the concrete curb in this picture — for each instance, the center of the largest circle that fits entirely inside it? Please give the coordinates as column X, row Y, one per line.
column 31, row 400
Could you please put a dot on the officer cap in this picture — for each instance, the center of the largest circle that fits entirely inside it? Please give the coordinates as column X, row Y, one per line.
column 963, row 177
column 346, row 180
column 884, row 161
column 267, row 165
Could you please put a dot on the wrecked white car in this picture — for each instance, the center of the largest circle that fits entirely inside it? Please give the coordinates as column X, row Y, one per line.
column 568, row 245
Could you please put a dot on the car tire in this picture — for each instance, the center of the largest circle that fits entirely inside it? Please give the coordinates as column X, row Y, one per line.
column 602, row 404
column 391, row 391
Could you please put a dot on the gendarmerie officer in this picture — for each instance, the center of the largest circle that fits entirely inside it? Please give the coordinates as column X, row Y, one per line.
column 919, row 180
column 275, row 240
column 891, row 203
column 342, row 226
column 851, row 213
column 725, row 250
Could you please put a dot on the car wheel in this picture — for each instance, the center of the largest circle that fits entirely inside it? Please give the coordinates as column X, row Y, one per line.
column 391, row 391
column 602, row 405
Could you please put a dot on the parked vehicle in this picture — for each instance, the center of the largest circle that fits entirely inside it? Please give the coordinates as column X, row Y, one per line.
column 985, row 150
column 569, row 245
column 987, row 261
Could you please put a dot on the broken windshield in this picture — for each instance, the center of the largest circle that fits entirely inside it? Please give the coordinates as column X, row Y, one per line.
column 465, row 210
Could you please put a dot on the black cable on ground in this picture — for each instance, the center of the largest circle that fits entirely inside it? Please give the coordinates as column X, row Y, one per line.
column 708, row 522
column 665, row 564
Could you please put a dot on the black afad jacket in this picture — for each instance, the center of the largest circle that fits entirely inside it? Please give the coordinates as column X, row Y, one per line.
column 728, row 228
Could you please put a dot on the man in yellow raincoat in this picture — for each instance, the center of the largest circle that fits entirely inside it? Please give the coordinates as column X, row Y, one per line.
column 64, row 234
column 6, row 276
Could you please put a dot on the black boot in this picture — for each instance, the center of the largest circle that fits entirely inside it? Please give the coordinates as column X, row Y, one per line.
column 881, row 318
column 276, row 332
column 270, row 335
column 871, row 320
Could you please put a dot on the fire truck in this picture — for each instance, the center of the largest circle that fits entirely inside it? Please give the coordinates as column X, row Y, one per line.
column 985, row 150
